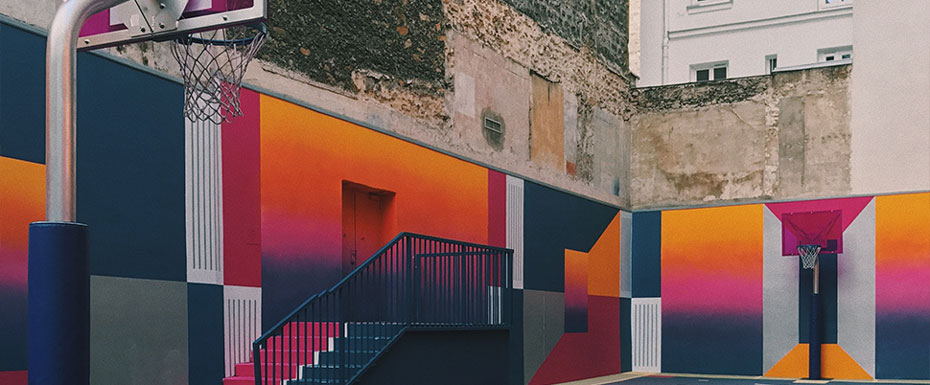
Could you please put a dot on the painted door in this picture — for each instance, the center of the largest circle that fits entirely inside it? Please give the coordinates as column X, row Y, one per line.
column 363, row 219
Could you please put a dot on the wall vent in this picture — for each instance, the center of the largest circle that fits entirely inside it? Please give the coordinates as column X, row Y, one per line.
column 646, row 314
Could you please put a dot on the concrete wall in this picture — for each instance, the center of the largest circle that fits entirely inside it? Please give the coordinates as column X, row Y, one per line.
column 891, row 98
column 768, row 137
column 731, row 31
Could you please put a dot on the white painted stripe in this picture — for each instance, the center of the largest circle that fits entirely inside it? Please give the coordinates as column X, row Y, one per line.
column 646, row 323
column 515, row 227
column 242, row 320
column 203, row 202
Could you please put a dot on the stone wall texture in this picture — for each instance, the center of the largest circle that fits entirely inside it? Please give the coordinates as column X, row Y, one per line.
column 783, row 136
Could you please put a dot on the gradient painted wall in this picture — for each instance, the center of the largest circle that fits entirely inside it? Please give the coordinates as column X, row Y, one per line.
column 305, row 158
column 712, row 290
column 902, row 286
column 22, row 201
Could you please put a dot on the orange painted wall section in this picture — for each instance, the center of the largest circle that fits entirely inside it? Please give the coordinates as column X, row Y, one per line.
column 835, row 363
column 604, row 262
column 306, row 156
column 22, row 201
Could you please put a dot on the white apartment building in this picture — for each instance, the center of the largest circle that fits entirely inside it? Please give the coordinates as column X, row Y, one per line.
column 698, row 40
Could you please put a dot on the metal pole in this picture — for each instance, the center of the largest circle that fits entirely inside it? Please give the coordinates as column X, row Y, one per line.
column 59, row 274
column 61, row 136
column 814, row 332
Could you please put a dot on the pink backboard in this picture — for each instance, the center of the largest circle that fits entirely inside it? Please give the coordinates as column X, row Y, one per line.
column 126, row 23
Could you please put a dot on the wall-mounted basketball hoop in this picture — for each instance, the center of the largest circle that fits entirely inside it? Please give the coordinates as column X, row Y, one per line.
column 807, row 235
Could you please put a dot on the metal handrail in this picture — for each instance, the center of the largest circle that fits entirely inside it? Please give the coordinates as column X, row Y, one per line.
column 414, row 281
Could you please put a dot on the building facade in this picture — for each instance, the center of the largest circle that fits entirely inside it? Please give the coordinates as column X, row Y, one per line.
column 700, row 40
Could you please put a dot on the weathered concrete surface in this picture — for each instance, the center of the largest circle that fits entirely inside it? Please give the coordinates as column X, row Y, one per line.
column 487, row 84
column 599, row 25
column 783, row 136
column 547, row 125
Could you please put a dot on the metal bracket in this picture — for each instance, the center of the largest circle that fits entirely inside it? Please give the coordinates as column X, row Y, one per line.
column 145, row 17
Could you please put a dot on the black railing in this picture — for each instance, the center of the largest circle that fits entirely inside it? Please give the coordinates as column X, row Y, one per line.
column 415, row 281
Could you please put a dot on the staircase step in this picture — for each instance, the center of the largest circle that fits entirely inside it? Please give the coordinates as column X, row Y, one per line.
column 239, row 380
column 317, row 381
column 323, row 329
column 340, row 358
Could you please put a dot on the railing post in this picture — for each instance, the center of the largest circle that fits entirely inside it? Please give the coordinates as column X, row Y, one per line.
column 411, row 262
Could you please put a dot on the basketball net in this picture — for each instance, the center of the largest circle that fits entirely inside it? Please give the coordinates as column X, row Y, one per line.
column 212, row 67
column 809, row 255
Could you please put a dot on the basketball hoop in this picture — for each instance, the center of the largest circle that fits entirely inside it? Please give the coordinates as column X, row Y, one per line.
column 808, row 255
column 212, row 67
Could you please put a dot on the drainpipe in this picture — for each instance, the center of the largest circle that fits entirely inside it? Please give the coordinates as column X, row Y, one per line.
column 59, row 275
column 665, row 21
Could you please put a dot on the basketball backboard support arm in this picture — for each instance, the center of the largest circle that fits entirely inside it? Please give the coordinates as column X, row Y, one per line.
column 60, row 112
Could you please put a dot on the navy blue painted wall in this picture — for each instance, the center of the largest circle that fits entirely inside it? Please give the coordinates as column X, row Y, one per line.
column 626, row 336
column 130, row 170
column 693, row 343
column 22, row 95
column 647, row 254
column 205, row 334
column 555, row 221
column 902, row 346
column 443, row 357
column 828, row 282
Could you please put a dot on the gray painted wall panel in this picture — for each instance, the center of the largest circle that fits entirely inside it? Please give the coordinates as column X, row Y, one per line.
column 855, row 296
column 779, row 296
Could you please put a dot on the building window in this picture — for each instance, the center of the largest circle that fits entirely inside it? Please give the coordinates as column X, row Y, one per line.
column 771, row 63
column 709, row 71
column 834, row 3
column 834, row 54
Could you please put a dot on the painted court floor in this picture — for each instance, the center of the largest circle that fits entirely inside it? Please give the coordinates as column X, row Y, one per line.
column 645, row 379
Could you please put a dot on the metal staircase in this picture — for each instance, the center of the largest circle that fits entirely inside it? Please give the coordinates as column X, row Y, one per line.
column 414, row 282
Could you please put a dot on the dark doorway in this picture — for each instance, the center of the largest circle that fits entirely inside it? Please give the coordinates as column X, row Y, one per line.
column 367, row 223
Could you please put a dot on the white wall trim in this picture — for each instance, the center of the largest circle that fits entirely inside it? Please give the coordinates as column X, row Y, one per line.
column 515, row 227
column 762, row 23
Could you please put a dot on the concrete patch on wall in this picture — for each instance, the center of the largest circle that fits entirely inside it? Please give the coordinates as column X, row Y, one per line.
column 139, row 331
column 547, row 131
column 700, row 155
column 543, row 324
column 782, row 136
column 487, row 85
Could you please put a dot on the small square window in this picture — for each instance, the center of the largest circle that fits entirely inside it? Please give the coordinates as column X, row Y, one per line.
column 771, row 63
column 709, row 71
column 703, row 75
column 835, row 53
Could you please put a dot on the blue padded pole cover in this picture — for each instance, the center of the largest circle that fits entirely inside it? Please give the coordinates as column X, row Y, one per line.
column 815, row 337
column 59, row 304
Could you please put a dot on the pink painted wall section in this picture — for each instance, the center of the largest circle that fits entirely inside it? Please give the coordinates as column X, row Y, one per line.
column 497, row 208
column 242, row 213
column 14, row 378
